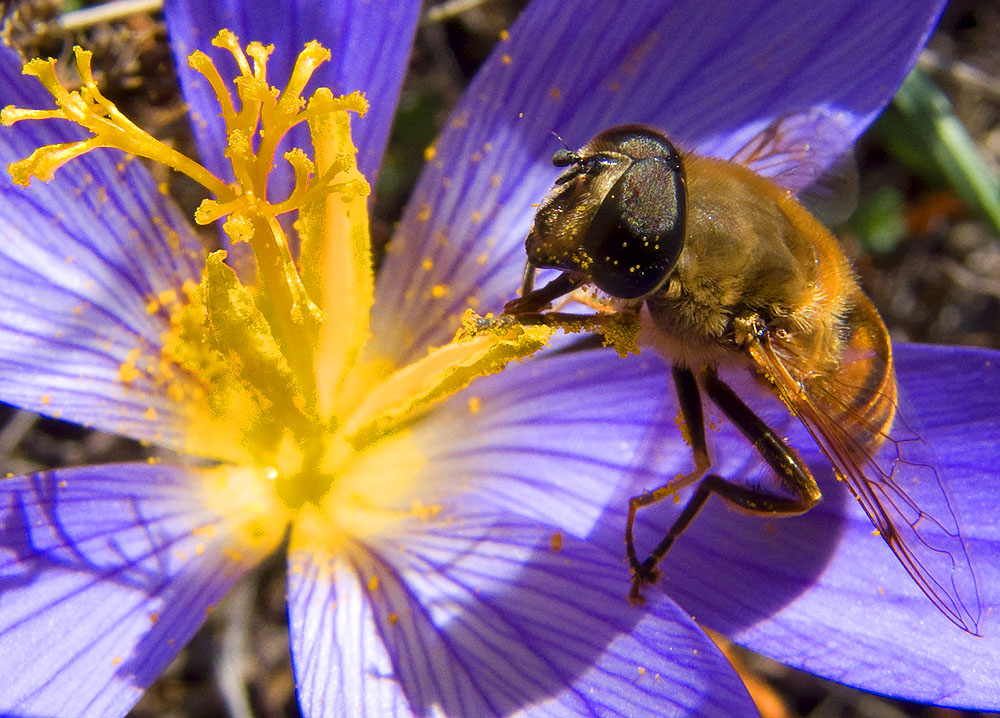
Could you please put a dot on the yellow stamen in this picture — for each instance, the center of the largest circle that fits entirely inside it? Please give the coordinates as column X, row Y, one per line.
column 271, row 376
column 264, row 117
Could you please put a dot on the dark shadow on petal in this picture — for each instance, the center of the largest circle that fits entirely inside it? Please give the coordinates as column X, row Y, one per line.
column 731, row 570
column 866, row 623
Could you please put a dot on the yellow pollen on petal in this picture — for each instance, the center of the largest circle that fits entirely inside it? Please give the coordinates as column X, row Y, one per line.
column 127, row 370
column 423, row 512
column 556, row 541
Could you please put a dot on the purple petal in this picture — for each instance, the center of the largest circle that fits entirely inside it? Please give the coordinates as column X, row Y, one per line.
column 477, row 617
column 341, row 665
column 81, row 258
column 710, row 74
column 370, row 42
column 105, row 573
column 556, row 438
column 568, row 439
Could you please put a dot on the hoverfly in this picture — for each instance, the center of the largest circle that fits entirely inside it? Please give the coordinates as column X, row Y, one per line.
column 729, row 269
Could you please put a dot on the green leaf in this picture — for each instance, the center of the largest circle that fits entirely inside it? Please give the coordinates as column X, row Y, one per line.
column 927, row 135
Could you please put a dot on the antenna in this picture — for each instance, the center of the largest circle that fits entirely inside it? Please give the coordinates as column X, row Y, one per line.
column 559, row 137
column 563, row 157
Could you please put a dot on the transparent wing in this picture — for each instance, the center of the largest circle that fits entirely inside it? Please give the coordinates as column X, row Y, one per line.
column 888, row 467
column 804, row 153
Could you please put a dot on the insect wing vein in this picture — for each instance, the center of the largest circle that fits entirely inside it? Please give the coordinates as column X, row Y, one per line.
column 899, row 488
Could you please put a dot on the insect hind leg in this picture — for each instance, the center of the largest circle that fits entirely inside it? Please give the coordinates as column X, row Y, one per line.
column 792, row 473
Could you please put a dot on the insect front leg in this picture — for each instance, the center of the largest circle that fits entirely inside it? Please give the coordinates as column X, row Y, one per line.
column 534, row 300
column 793, row 476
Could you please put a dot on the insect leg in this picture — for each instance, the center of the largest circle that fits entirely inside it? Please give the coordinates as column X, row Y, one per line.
column 528, row 280
column 537, row 299
column 793, row 475
column 689, row 398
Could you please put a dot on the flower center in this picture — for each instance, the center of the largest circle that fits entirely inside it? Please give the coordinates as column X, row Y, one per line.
column 268, row 370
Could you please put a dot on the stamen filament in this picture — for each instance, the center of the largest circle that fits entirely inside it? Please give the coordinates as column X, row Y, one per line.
column 282, row 115
column 311, row 57
column 90, row 109
column 202, row 63
column 260, row 54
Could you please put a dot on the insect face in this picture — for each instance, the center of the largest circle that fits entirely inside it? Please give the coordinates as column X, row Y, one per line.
column 616, row 216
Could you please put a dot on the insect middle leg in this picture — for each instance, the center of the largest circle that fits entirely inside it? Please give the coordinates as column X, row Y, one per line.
column 689, row 398
column 792, row 474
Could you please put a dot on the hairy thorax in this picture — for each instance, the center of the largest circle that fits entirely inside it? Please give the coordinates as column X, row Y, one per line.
column 752, row 254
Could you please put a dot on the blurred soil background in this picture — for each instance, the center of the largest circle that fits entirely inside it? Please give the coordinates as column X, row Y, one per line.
column 924, row 240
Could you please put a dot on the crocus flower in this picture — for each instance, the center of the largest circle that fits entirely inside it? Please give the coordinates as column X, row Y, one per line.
column 453, row 550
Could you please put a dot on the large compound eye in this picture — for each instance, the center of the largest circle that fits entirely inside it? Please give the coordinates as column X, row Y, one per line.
column 637, row 233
